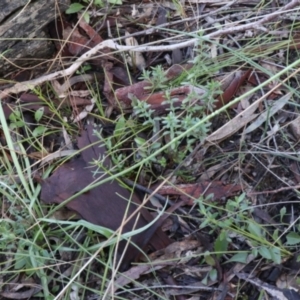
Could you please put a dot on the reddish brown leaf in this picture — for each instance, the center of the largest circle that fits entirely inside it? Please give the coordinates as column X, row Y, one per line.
column 80, row 41
column 230, row 87
column 138, row 90
column 77, row 43
column 121, row 76
column 56, row 29
column 180, row 93
column 141, row 89
column 177, row 70
column 94, row 39
column 189, row 192
column 93, row 35
column 78, row 101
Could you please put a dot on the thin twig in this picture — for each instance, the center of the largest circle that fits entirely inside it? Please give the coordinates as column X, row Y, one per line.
column 286, row 188
column 148, row 191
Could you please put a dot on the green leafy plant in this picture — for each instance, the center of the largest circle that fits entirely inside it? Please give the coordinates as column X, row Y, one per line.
column 156, row 77
column 156, row 130
column 176, row 120
column 235, row 221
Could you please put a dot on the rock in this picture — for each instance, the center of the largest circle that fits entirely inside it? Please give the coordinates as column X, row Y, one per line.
column 24, row 33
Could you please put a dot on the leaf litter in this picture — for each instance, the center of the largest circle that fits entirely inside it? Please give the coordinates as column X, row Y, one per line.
column 226, row 225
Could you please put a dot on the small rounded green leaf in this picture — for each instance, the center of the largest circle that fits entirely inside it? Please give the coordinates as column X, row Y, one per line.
column 213, row 275
column 15, row 116
column 120, row 127
column 74, row 8
column 209, row 260
column 282, row 213
column 276, row 255
column 39, row 130
column 221, row 243
column 292, row 238
column 98, row 3
column 239, row 257
column 86, row 17
column 255, row 229
column 265, row 252
column 140, row 141
column 39, row 114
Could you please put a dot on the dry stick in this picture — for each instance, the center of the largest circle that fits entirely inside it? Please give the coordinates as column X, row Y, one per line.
column 30, row 84
column 286, row 188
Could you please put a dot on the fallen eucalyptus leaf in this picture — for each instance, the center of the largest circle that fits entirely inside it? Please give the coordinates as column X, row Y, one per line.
column 278, row 104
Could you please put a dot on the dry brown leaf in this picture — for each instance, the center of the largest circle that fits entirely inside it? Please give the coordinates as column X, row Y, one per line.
column 135, row 59
column 295, row 126
column 210, row 172
column 189, row 192
column 172, row 251
column 234, row 125
column 278, row 104
column 230, row 85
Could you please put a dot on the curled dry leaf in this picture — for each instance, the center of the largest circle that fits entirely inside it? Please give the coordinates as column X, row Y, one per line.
column 21, row 295
column 78, row 43
column 278, row 104
column 234, row 125
column 92, row 34
column 210, row 172
column 62, row 90
column 172, row 251
column 295, row 126
column 85, row 112
column 135, row 59
column 25, row 289
column 230, row 85
column 190, row 192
